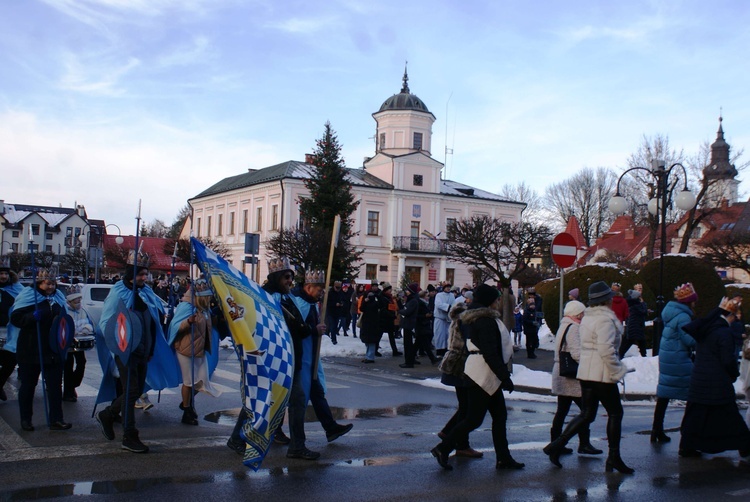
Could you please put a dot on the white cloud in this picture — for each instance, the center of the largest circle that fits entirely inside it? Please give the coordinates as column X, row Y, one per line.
column 95, row 77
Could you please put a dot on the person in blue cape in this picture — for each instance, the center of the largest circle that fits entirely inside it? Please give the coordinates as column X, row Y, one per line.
column 31, row 318
column 192, row 335
column 9, row 290
column 152, row 355
column 305, row 386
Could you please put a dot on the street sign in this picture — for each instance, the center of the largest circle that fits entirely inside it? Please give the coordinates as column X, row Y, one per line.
column 564, row 252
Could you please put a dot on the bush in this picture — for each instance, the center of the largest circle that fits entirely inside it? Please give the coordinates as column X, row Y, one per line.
column 679, row 269
column 582, row 278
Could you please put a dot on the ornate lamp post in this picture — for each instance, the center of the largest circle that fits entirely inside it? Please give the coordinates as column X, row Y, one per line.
column 685, row 200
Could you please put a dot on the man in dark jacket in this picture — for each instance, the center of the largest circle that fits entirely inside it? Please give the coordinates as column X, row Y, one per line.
column 409, row 325
column 636, row 324
column 531, row 327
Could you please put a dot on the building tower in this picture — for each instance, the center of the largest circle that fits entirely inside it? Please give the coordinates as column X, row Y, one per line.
column 720, row 173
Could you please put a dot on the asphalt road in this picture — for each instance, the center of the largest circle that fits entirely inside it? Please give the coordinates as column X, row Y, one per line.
column 385, row 457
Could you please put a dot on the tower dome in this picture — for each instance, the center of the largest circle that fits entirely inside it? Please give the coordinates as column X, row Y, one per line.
column 404, row 100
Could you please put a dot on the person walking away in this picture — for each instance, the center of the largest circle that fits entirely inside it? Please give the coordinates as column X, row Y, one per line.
column 334, row 310
column 619, row 304
column 490, row 350
column 599, row 371
column 712, row 422
column 371, row 308
column 389, row 316
column 443, row 303
column 517, row 328
column 568, row 389
column 424, row 327
column 346, row 308
column 675, row 356
column 409, row 325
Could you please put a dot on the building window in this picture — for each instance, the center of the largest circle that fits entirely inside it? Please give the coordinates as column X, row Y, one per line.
column 208, row 226
column 35, row 229
column 219, row 222
column 418, row 180
column 450, row 275
column 68, row 237
column 48, row 248
column 198, row 227
column 16, row 234
column 417, row 140
column 231, row 224
column 449, row 226
column 414, row 243
column 14, row 247
column 48, row 236
column 275, row 217
column 259, row 219
column 244, row 221
column 373, row 223
column 371, row 271
column 382, row 140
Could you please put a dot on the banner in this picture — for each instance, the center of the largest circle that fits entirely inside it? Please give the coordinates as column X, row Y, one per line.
column 263, row 345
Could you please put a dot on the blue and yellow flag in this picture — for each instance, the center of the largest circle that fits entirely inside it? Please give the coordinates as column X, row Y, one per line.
column 263, row 345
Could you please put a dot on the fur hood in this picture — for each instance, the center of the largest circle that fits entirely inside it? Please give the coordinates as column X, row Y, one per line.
column 471, row 315
column 457, row 310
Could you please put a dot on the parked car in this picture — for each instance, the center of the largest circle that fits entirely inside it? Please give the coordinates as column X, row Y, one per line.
column 93, row 298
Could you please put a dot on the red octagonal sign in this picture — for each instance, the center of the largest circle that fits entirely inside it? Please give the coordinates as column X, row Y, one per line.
column 564, row 250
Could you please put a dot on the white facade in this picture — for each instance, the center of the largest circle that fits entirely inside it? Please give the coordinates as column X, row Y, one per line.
column 403, row 202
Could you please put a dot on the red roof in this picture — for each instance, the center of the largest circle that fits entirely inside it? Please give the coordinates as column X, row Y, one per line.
column 153, row 247
column 574, row 229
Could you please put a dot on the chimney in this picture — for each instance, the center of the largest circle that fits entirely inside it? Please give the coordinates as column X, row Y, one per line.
column 308, row 158
column 629, row 233
column 2, row 206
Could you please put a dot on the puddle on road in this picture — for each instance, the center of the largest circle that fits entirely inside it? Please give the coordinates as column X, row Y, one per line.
column 229, row 417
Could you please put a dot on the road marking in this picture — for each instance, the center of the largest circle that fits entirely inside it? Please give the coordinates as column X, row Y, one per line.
column 9, row 439
column 227, row 375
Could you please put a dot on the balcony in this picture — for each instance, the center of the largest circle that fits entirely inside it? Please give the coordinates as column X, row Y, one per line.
column 418, row 245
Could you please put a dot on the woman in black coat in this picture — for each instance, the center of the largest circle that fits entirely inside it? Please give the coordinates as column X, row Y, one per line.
column 372, row 307
column 712, row 421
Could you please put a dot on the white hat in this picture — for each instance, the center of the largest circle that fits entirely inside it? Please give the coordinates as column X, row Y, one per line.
column 574, row 308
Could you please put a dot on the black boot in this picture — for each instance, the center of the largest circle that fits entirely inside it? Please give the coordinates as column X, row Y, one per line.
column 554, row 433
column 188, row 418
column 189, row 409
column 614, row 462
column 584, row 444
column 657, row 429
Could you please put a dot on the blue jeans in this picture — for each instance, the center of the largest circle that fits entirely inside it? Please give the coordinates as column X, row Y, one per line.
column 371, row 348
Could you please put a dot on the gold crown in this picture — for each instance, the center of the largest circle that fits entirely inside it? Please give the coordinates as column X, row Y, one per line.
column 201, row 287
column 731, row 305
column 44, row 274
column 315, row 277
column 279, row 264
column 685, row 293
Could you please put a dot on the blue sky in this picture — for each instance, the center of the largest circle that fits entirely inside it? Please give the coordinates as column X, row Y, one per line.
column 104, row 102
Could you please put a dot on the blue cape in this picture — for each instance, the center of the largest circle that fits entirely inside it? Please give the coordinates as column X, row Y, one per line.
column 182, row 312
column 163, row 369
column 13, row 289
column 28, row 296
column 308, row 352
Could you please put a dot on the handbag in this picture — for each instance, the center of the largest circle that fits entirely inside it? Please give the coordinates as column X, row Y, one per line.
column 453, row 362
column 746, row 348
column 568, row 365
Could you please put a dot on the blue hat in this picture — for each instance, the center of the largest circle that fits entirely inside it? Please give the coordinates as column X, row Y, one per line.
column 599, row 293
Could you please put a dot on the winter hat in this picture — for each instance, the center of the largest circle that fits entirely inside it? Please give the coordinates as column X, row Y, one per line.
column 574, row 293
column 74, row 293
column 430, row 288
column 686, row 293
column 633, row 294
column 374, row 282
column 731, row 305
column 386, row 285
column 469, row 295
column 485, row 295
column 574, row 308
column 414, row 288
column 599, row 293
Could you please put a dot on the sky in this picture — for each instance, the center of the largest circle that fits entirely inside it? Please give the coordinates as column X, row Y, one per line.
column 108, row 102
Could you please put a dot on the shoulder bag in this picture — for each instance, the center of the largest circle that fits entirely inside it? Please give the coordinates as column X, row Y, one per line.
column 568, row 365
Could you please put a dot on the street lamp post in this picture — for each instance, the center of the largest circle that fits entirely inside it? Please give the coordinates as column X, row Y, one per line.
column 685, row 200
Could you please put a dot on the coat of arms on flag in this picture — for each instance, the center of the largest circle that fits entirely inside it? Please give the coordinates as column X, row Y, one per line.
column 263, row 345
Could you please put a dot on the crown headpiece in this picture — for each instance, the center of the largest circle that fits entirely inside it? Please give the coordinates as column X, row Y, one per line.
column 685, row 293
column 5, row 264
column 315, row 277
column 74, row 291
column 201, row 288
column 143, row 258
column 731, row 305
column 46, row 274
column 279, row 264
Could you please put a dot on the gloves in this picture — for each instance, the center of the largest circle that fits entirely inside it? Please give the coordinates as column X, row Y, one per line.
column 508, row 385
column 38, row 315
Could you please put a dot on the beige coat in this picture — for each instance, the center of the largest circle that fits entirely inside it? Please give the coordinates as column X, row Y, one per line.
column 565, row 386
column 600, row 332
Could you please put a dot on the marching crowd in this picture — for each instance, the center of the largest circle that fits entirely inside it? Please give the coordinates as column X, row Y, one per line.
column 473, row 343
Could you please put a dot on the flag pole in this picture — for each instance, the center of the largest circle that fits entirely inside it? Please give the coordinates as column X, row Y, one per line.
column 323, row 308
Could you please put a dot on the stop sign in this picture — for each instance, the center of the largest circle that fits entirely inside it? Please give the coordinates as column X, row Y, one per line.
column 564, row 250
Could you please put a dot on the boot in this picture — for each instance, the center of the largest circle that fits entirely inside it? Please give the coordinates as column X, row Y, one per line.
column 657, row 429
column 554, row 433
column 555, row 449
column 189, row 409
column 584, row 444
column 614, row 462
column 132, row 442
column 188, row 418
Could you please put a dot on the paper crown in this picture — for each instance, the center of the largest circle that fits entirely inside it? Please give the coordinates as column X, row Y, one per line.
column 5, row 265
column 315, row 277
column 201, row 288
column 143, row 258
column 46, row 274
column 731, row 305
column 685, row 293
column 74, row 292
column 279, row 264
